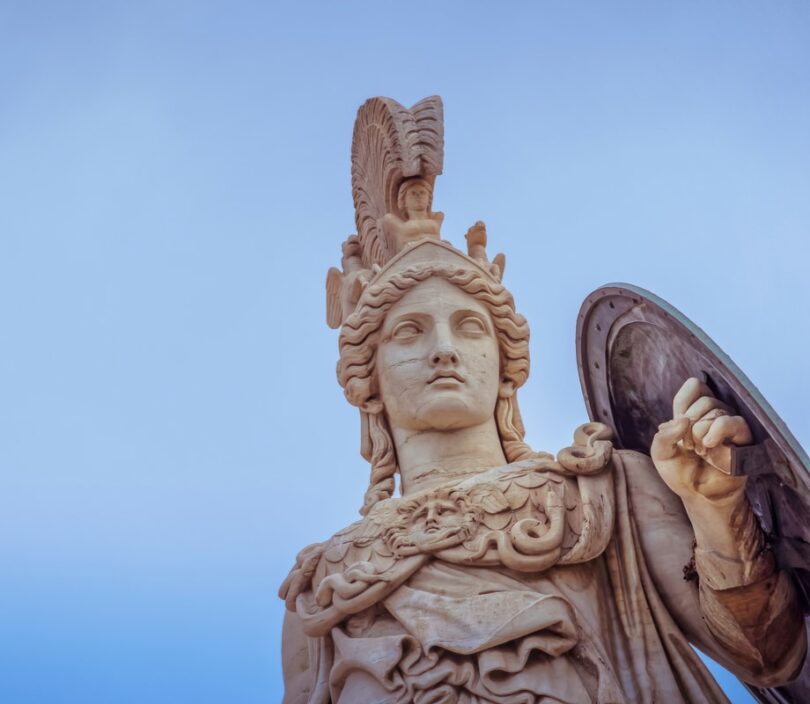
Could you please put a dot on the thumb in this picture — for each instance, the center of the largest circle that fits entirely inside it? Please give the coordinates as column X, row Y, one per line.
column 665, row 443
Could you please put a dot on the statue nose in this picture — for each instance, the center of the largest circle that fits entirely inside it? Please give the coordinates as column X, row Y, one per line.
column 431, row 519
column 444, row 354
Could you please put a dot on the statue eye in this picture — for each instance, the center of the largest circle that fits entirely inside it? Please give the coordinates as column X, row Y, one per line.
column 472, row 325
column 405, row 331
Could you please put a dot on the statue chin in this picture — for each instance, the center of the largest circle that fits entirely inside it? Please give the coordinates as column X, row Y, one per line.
column 448, row 412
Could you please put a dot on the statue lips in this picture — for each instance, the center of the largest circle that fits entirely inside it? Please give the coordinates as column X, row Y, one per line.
column 446, row 379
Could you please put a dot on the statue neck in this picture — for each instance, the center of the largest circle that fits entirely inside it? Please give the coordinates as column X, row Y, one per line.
column 430, row 457
column 418, row 215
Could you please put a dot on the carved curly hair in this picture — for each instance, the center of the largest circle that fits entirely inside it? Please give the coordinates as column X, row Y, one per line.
column 358, row 343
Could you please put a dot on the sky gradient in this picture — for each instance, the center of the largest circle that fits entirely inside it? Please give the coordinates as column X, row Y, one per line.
column 175, row 183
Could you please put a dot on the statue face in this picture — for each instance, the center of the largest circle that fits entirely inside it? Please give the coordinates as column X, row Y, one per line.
column 417, row 197
column 438, row 363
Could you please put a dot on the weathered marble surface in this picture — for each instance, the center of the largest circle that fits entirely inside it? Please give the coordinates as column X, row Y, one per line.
column 502, row 574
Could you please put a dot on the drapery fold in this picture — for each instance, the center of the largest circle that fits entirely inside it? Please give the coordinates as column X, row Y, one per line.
column 594, row 632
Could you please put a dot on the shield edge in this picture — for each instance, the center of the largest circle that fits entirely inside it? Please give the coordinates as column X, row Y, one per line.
column 784, row 436
column 752, row 397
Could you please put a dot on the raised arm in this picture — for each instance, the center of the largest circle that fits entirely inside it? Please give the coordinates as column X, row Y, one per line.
column 750, row 607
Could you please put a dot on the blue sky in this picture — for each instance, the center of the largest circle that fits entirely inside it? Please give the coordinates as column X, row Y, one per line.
column 175, row 184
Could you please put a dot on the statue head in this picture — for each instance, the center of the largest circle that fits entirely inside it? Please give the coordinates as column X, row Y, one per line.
column 436, row 318
column 415, row 194
column 397, row 153
column 437, row 362
column 387, row 299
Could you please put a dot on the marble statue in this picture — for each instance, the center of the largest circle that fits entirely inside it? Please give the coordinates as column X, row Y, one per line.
column 500, row 573
column 414, row 200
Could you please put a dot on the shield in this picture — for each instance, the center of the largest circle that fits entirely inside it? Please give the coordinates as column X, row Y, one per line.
column 634, row 351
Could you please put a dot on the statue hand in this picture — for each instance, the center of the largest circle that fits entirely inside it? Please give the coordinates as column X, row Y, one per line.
column 692, row 452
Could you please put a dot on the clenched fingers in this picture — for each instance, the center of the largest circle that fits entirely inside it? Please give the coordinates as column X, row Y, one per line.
column 733, row 429
column 691, row 391
column 704, row 405
column 665, row 443
column 702, row 426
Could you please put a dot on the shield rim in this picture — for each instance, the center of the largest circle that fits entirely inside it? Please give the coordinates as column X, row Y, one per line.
column 741, row 384
column 747, row 392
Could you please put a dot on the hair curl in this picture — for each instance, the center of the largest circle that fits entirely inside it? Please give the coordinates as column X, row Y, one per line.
column 358, row 343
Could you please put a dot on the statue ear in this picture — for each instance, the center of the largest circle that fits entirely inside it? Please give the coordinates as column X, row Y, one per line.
column 506, row 389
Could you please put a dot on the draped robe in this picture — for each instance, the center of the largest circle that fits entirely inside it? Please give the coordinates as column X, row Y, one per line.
column 527, row 584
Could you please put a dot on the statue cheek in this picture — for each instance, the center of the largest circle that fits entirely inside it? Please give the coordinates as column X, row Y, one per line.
column 397, row 375
column 393, row 367
column 486, row 367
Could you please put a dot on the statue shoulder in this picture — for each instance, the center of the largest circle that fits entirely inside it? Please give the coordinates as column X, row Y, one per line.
column 591, row 451
column 361, row 541
column 346, row 574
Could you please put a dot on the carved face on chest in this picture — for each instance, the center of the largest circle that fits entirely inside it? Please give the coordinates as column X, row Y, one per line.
column 435, row 516
column 438, row 359
column 431, row 522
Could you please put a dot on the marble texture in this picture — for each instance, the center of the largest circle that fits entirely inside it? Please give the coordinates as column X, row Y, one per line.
column 500, row 573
